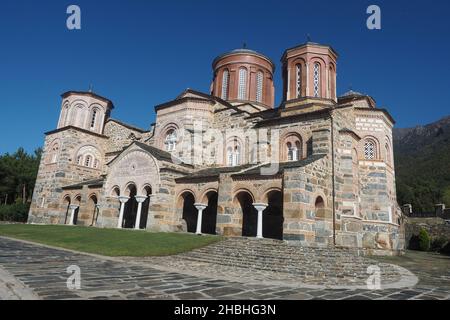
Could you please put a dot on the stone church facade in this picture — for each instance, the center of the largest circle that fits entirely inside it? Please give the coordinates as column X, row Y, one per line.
column 318, row 170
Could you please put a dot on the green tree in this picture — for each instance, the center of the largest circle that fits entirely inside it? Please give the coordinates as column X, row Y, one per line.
column 18, row 173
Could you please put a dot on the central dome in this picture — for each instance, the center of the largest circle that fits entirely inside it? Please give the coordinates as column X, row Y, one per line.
column 244, row 75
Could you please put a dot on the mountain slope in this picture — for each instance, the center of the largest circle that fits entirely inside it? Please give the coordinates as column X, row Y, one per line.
column 422, row 159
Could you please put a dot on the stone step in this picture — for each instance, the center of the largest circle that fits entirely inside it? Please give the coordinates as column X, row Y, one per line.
column 277, row 256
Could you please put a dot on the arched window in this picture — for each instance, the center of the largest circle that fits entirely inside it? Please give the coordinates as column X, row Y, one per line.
column 320, row 207
column 234, row 154
column 225, row 82
column 293, row 148
column 316, row 80
column 242, row 90
column 93, row 118
column 259, row 86
column 88, row 156
column 53, row 153
column 370, row 149
column 293, row 151
column 171, row 140
column 299, row 80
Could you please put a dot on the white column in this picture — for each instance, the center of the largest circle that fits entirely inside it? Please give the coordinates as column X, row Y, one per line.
column 140, row 200
column 200, row 207
column 260, row 207
column 122, row 200
column 72, row 208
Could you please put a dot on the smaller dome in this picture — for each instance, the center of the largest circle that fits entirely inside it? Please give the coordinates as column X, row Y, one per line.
column 243, row 51
column 352, row 93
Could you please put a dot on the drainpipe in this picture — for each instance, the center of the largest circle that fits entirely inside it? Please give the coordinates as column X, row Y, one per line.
column 333, row 178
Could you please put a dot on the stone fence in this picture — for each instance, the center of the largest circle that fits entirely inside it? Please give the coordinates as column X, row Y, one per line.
column 439, row 212
column 436, row 223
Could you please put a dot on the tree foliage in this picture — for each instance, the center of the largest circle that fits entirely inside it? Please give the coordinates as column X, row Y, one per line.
column 18, row 173
column 422, row 160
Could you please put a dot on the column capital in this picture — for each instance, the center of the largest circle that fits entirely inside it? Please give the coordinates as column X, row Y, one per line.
column 73, row 207
column 260, row 206
column 200, row 206
column 123, row 199
column 140, row 199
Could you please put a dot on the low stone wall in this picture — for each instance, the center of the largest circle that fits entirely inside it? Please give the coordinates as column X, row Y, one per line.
column 436, row 227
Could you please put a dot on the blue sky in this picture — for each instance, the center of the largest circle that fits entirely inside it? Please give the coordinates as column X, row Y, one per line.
column 142, row 53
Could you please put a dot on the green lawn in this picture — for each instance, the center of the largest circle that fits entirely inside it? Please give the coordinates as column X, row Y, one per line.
column 108, row 242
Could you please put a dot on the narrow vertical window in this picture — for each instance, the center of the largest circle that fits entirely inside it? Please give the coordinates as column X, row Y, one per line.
column 290, row 152
column 171, row 141
column 242, row 90
column 225, row 82
column 297, row 151
column 259, row 86
column 88, row 161
column 299, row 81
column 93, row 118
column 237, row 156
column 369, row 150
column 388, row 154
column 230, row 156
column 317, row 80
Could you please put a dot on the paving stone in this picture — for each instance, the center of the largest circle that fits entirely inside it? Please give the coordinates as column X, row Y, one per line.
column 265, row 277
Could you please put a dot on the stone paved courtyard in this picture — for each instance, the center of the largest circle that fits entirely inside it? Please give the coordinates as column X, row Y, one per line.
column 35, row 271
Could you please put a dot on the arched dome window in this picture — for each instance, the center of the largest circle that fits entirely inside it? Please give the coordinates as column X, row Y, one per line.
column 242, row 89
column 316, row 82
column 259, row 86
column 171, row 140
column 298, row 81
column 370, row 149
column 225, row 83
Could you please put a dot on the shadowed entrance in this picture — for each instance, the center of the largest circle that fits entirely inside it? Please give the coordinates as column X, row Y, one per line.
column 209, row 218
column 129, row 216
column 273, row 216
column 249, row 214
column 189, row 211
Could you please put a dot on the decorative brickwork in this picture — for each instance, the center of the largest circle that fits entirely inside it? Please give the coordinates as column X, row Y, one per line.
column 304, row 164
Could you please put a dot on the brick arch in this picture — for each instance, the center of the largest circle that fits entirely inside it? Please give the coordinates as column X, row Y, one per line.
column 268, row 189
column 204, row 195
column 377, row 146
column 165, row 128
column 134, row 165
column 301, row 134
column 230, row 142
column 79, row 110
column 115, row 191
column 251, row 191
column 323, row 79
column 293, row 74
column 180, row 194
